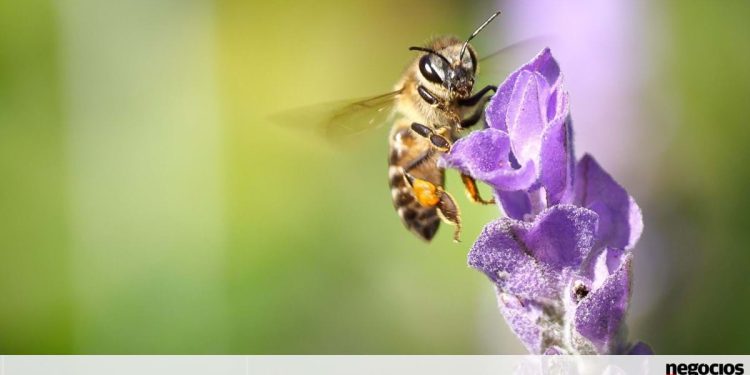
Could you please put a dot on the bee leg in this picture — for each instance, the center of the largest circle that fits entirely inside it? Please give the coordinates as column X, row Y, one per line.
column 428, row 194
column 437, row 140
column 478, row 98
column 440, row 142
column 473, row 120
column 474, row 99
column 422, row 130
column 472, row 191
column 447, row 209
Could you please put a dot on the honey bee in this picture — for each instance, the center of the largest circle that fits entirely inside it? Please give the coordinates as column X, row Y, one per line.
column 430, row 105
column 435, row 102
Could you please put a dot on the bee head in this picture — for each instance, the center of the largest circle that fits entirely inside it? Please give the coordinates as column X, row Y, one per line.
column 450, row 67
column 446, row 70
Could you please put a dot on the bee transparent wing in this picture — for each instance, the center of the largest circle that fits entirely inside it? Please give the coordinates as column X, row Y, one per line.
column 338, row 121
column 360, row 115
column 495, row 66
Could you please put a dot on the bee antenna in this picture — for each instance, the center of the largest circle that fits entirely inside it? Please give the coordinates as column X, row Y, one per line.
column 480, row 28
column 432, row 52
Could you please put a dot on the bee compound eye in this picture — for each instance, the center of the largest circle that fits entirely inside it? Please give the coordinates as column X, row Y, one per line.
column 428, row 70
column 473, row 61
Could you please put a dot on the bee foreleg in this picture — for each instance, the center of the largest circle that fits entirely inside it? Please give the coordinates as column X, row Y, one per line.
column 474, row 99
column 472, row 191
column 422, row 130
column 477, row 100
column 471, row 121
column 437, row 140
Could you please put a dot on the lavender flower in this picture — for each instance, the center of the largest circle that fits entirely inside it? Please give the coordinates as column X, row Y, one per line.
column 561, row 259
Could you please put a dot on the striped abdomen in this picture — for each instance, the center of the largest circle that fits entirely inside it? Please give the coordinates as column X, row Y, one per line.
column 407, row 148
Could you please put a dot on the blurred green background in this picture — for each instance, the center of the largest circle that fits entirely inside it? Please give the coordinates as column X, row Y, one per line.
column 147, row 205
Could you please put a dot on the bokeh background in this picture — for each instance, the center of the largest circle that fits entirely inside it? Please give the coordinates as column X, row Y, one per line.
column 148, row 205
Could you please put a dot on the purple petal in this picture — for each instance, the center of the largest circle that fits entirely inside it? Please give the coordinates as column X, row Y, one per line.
column 485, row 155
column 509, row 179
column 599, row 316
column 606, row 264
column 620, row 221
column 562, row 236
column 543, row 63
column 557, row 160
column 546, row 65
column 523, row 318
column 502, row 255
column 558, row 105
column 526, row 116
column 515, row 204
column 480, row 153
column 529, row 260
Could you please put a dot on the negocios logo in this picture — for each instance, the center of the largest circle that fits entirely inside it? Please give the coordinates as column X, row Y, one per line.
column 705, row 369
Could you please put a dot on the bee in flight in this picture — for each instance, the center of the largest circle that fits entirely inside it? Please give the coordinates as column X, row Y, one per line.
column 429, row 107
column 435, row 101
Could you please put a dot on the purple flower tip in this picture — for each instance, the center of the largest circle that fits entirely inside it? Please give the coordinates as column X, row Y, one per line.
column 528, row 139
column 545, row 67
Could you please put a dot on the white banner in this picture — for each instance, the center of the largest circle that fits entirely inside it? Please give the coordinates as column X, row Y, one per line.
column 374, row 365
